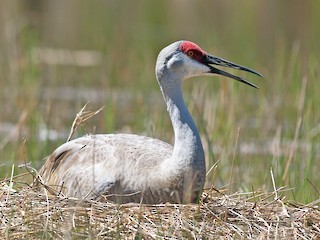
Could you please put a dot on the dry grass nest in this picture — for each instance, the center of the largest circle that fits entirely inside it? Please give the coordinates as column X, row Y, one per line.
column 27, row 213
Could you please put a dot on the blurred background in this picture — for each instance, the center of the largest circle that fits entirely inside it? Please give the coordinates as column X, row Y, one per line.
column 56, row 56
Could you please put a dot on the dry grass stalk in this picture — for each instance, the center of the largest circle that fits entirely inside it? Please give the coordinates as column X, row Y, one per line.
column 80, row 118
column 27, row 213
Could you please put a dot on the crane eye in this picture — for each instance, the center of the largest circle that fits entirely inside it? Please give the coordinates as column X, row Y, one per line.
column 190, row 53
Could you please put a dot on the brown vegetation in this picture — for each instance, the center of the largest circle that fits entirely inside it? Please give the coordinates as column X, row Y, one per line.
column 26, row 213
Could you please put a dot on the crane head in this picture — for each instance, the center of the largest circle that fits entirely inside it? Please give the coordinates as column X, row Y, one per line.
column 186, row 59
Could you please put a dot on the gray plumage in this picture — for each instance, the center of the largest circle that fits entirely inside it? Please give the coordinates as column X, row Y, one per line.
column 131, row 168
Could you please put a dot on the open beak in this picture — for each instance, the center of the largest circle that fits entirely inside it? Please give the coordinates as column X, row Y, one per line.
column 224, row 63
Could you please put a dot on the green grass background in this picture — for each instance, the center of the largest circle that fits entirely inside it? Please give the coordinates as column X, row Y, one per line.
column 247, row 132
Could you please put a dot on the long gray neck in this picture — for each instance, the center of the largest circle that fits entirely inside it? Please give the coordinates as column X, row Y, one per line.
column 188, row 150
column 186, row 164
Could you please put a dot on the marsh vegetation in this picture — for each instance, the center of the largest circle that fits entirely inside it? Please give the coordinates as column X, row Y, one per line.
column 55, row 57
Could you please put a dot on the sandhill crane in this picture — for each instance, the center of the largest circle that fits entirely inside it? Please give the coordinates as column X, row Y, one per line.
column 132, row 168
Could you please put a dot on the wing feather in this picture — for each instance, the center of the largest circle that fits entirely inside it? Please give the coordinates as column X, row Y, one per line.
column 111, row 163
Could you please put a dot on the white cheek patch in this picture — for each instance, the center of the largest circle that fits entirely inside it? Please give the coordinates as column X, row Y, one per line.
column 185, row 67
column 193, row 68
column 174, row 63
